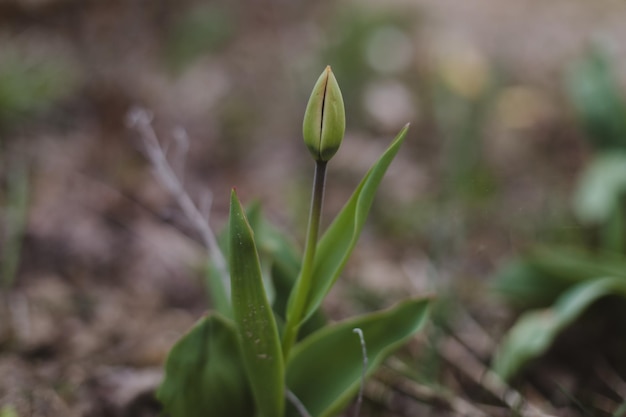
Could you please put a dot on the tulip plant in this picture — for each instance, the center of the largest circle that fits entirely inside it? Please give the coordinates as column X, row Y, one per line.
column 268, row 350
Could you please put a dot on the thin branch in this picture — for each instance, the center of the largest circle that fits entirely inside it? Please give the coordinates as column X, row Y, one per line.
column 295, row 401
column 425, row 394
column 206, row 202
column 141, row 120
column 463, row 359
column 359, row 399
column 473, row 336
column 181, row 149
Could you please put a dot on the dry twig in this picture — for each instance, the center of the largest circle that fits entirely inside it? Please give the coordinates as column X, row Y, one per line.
column 460, row 357
column 141, row 120
column 424, row 393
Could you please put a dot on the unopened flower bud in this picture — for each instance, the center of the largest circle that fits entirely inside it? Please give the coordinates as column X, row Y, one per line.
column 324, row 119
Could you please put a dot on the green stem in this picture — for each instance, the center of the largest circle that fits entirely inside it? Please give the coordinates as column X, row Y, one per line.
column 303, row 284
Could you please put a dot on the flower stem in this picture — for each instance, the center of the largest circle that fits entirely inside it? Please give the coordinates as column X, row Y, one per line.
column 303, row 284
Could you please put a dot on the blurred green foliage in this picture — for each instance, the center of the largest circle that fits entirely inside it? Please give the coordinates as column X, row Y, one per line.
column 201, row 29
column 598, row 101
column 461, row 120
column 8, row 411
column 563, row 281
column 536, row 330
column 31, row 84
column 15, row 203
column 350, row 37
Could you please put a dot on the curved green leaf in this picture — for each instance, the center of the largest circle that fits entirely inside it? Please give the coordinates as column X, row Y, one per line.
column 535, row 331
column 324, row 370
column 204, row 374
column 537, row 279
column 258, row 333
column 337, row 243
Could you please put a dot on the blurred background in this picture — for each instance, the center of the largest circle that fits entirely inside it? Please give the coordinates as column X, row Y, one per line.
column 508, row 190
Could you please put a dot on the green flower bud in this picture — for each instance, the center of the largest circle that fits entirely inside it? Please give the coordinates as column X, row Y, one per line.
column 325, row 118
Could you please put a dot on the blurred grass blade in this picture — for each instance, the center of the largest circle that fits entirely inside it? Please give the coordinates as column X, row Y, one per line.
column 15, row 219
column 204, row 374
column 255, row 322
column 337, row 243
column 535, row 331
column 324, row 370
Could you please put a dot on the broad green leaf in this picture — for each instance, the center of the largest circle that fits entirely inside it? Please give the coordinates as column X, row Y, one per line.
column 535, row 331
column 204, row 374
column 540, row 277
column 324, row 370
column 281, row 259
column 601, row 187
column 337, row 243
column 260, row 343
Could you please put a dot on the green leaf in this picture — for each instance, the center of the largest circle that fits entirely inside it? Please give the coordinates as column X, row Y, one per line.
column 595, row 93
column 324, row 370
column 204, row 374
column 535, row 331
column 282, row 260
column 216, row 291
column 523, row 285
column 337, row 243
column 214, row 281
column 278, row 250
column 537, row 279
column 601, row 188
column 279, row 254
column 283, row 279
column 253, row 315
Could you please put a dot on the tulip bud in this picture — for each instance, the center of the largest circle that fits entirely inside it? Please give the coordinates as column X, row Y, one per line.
column 324, row 119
